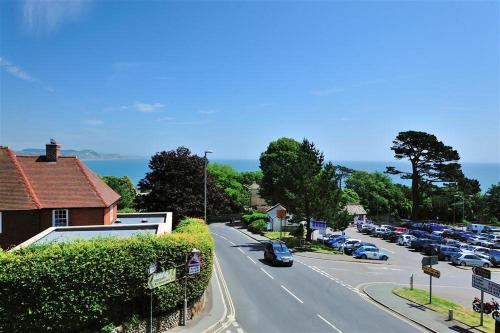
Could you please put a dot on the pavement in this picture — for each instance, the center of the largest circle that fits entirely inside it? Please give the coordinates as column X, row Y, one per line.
column 301, row 298
column 431, row 320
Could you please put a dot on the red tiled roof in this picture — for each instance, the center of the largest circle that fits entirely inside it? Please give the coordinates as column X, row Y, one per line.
column 15, row 192
column 66, row 183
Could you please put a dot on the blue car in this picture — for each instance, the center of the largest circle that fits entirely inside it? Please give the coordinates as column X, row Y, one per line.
column 336, row 240
column 370, row 252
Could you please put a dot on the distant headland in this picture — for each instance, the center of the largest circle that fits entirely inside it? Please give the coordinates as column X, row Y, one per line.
column 85, row 154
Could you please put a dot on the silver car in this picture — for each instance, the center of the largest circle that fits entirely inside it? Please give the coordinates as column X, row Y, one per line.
column 468, row 259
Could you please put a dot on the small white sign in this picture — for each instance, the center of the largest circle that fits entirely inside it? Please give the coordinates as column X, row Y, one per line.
column 194, row 270
column 152, row 268
column 486, row 285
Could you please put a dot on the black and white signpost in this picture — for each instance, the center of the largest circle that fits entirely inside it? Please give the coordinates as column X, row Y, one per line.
column 427, row 263
column 481, row 280
column 193, row 266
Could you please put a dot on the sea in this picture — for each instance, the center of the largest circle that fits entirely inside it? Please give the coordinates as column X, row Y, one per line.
column 486, row 173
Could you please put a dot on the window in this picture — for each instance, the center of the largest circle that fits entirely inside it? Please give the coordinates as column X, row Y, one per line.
column 60, row 218
column 111, row 214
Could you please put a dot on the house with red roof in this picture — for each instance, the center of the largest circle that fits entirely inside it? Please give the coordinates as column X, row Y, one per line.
column 39, row 192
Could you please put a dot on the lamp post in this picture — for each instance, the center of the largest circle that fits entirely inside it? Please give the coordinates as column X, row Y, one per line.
column 206, row 163
column 186, row 273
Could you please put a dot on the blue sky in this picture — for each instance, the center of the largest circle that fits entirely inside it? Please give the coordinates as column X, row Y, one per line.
column 136, row 77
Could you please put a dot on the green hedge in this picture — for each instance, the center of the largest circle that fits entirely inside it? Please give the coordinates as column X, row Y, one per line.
column 86, row 285
column 258, row 226
column 253, row 216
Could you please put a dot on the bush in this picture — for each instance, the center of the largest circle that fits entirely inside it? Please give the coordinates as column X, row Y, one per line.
column 253, row 216
column 258, row 226
column 299, row 231
column 91, row 284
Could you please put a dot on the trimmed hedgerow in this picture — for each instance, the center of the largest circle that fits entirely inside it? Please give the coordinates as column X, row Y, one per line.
column 253, row 216
column 88, row 284
column 258, row 226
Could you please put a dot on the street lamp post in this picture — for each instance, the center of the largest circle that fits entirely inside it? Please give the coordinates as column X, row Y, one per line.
column 205, row 193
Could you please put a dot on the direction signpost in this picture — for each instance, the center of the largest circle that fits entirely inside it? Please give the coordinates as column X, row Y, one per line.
column 481, row 280
column 427, row 263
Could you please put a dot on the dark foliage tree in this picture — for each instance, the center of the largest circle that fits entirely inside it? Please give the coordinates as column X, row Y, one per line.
column 124, row 187
column 491, row 204
column 276, row 164
column 431, row 162
column 248, row 177
column 176, row 183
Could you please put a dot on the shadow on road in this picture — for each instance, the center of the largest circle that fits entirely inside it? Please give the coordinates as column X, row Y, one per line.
column 417, row 306
column 251, row 246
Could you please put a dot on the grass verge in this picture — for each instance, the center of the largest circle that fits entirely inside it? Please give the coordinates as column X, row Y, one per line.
column 441, row 305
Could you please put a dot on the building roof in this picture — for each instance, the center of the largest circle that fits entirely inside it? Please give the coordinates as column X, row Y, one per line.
column 355, row 209
column 29, row 182
column 275, row 206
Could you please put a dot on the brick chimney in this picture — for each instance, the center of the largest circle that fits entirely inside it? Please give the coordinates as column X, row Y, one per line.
column 52, row 151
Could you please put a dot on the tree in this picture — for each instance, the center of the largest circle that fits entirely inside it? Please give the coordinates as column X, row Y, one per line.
column 176, row 183
column 294, row 174
column 377, row 193
column 125, row 188
column 248, row 177
column 491, row 204
column 349, row 196
column 431, row 162
column 230, row 181
column 276, row 164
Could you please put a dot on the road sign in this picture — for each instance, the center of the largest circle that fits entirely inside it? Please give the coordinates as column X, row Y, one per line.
column 152, row 268
column 486, row 285
column 429, row 261
column 281, row 213
column 431, row 271
column 486, row 273
column 159, row 279
column 194, row 264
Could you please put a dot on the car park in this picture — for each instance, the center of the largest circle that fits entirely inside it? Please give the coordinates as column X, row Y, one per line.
column 419, row 243
column 370, row 252
column 338, row 242
column 379, row 231
column 482, row 252
column 476, row 240
column 276, row 252
column 467, row 259
column 430, row 248
column 450, row 242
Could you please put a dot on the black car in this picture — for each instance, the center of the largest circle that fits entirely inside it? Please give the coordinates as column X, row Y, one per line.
column 277, row 252
column 350, row 249
column 430, row 248
column 419, row 243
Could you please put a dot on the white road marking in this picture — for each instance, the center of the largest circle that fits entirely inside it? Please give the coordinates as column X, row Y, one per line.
column 235, row 324
column 239, row 249
column 385, row 268
column 288, row 291
column 251, row 260
column 262, row 269
column 233, row 243
column 383, row 248
column 328, row 323
column 239, row 330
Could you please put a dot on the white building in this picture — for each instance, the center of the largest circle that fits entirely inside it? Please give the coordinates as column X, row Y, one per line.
column 274, row 222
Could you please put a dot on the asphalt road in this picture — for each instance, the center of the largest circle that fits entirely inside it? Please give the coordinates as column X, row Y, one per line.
column 455, row 283
column 302, row 298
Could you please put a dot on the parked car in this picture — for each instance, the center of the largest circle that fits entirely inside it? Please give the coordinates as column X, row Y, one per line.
column 494, row 257
column 334, row 240
column 368, row 228
column 467, row 259
column 430, row 248
column 356, row 246
column 476, row 240
column 348, row 243
column 277, row 252
column 419, row 243
column 405, row 239
column 446, row 252
column 369, row 252
column 450, row 242
column 482, row 252
column 378, row 231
